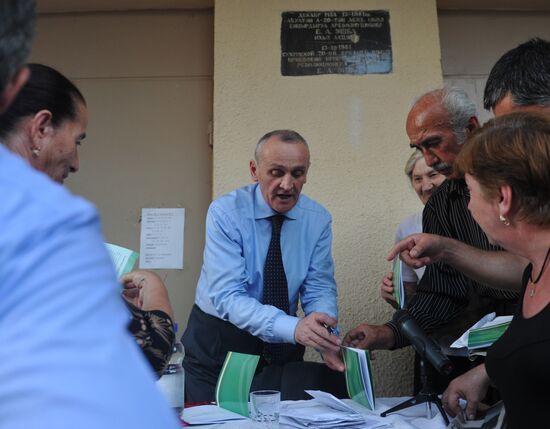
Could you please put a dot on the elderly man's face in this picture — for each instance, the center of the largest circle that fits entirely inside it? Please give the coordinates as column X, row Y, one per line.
column 281, row 172
column 429, row 131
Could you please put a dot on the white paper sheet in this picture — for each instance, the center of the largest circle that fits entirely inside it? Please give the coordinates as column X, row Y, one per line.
column 161, row 244
column 209, row 414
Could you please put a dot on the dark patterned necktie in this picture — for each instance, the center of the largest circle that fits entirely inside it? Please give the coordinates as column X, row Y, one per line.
column 275, row 288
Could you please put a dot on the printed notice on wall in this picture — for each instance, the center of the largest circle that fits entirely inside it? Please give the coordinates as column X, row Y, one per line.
column 161, row 244
column 353, row 42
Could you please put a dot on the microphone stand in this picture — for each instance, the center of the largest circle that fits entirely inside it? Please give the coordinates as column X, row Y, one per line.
column 426, row 395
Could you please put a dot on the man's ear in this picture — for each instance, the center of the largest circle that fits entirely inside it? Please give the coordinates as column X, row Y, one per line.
column 473, row 124
column 505, row 203
column 13, row 87
column 253, row 170
column 40, row 127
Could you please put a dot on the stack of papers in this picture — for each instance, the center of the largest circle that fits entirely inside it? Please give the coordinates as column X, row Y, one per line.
column 327, row 411
column 483, row 333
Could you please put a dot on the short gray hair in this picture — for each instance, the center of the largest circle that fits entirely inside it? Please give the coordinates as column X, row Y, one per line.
column 458, row 106
column 286, row 136
column 460, row 109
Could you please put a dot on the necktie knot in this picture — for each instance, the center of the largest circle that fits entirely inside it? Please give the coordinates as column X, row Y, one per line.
column 277, row 223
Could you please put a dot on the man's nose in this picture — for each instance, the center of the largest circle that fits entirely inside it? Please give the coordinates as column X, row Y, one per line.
column 429, row 157
column 287, row 182
column 75, row 163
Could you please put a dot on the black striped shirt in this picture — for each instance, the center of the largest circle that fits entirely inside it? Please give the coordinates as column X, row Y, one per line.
column 443, row 293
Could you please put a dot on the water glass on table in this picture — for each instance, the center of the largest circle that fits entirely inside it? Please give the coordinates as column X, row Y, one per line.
column 264, row 408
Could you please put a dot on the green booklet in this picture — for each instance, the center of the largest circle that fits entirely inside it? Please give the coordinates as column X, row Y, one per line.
column 123, row 259
column 359, row 376
column 486, row 335
column 483, row 333
column 234, row 382
column 397, row 280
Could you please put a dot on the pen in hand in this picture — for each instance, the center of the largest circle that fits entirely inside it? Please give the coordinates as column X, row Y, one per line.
column 330, row 329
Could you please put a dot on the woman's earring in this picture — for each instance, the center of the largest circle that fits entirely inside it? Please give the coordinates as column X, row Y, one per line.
column 505, row 221
column 35, row 153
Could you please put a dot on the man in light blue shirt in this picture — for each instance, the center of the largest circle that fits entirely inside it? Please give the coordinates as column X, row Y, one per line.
column 231, row 312
column 66, row 357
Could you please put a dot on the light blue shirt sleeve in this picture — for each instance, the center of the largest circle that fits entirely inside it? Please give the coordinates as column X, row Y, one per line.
column 319, row 287
column 230, row 287
column 67, row 357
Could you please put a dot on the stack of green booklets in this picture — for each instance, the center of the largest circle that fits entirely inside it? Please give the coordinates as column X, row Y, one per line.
column 233, row 386
column 359, row 376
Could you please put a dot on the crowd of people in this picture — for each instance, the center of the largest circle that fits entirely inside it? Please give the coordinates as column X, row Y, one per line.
column 480, row 245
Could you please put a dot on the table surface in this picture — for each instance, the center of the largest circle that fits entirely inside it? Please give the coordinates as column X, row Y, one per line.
column 411, row 418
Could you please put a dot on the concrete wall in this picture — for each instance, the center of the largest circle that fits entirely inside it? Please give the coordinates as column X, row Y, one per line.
column 355, row 128
column 468, row 56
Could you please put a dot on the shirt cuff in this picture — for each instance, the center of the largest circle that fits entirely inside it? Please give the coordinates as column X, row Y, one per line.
column 284, row 327
column 400, row 340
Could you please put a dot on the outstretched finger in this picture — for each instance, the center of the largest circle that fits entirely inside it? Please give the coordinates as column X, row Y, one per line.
column 405, row 244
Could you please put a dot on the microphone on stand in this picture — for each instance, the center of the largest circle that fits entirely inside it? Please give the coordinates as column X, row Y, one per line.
column 425, row 346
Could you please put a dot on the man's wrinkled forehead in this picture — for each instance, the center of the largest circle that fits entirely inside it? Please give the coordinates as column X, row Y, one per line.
column 276, row 150
column 424, row 120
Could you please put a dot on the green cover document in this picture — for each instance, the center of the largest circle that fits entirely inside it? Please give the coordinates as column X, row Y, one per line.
column 483, row 333
column 397, row 280
column 359, row 376
column 487, row 335
column 234, row 382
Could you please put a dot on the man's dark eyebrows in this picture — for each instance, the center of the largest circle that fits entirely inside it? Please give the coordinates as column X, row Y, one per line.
column 429, row 142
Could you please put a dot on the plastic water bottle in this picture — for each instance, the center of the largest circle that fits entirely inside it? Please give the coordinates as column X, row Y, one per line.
column 172, row 381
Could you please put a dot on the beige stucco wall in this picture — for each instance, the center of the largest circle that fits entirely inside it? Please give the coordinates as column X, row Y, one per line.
column 355, row 128
column 147, row 80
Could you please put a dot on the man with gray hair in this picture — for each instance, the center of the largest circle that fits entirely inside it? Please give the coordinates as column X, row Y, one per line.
column 518, row 82
column 446, row 301
column 67, row 358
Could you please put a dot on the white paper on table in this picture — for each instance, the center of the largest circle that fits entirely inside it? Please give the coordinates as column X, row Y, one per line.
column 327, row 411
column 486, row 321
column 330, row 401
column 161, row 243
column 209, row 414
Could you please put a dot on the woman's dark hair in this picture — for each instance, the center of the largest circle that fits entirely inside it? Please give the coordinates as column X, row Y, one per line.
column 46, row 89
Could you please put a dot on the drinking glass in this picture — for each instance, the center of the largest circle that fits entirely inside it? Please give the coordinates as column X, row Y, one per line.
column 264, row 408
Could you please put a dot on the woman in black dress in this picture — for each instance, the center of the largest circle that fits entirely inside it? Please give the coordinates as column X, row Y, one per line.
column 507, row 168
